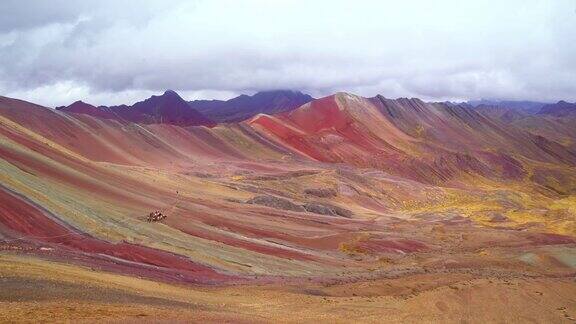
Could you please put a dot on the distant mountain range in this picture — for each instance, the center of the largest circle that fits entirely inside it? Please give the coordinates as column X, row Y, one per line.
column 525, row 106
column 511, row 111
column 170, row 108
column 559, row 109
column 244, row 107
column 370, row 132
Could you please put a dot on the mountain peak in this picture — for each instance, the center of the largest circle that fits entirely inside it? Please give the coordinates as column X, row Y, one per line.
column 76, row 106
column 171, row 96
column 171, row 93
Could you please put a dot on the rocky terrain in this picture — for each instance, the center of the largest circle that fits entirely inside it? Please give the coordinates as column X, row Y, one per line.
column 343, row 209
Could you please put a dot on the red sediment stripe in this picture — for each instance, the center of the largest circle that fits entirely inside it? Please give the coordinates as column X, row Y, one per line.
column 33, row 223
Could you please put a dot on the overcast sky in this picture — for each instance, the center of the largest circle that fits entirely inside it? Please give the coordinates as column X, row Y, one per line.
column 110, row 52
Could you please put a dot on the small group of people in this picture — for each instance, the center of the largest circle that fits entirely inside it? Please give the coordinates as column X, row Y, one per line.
column 156, row 216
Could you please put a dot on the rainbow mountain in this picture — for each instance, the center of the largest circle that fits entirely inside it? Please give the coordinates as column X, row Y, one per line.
column 309, row 194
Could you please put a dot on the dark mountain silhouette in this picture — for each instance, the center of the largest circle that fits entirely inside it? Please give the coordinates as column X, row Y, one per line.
column 80, row 107
column 168, row 108
column 243, row 107
column 559, row 109
column 530, row 107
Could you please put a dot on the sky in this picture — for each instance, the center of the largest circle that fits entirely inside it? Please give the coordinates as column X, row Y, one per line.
column 111, row 52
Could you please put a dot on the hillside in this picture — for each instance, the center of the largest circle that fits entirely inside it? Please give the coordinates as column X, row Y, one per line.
column 316, row 202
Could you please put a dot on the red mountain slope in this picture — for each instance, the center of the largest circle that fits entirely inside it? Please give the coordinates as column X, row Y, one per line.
column 428, row 142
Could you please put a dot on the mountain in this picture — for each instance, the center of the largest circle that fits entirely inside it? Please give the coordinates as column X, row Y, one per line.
column 428, row 142
column 505, row 110
column 556, row 122
column 559, row 109
column 315, row 203
column 168, row 108
column 529, row 107
column 244, row 107
column 504, row 114
column 80, row 107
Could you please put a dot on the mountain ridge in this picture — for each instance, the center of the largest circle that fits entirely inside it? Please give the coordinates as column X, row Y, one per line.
column 172, row 109
column 559, row 109
column 244, row 106
column 167, row 108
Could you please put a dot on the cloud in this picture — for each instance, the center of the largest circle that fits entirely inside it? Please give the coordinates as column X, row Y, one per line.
column 108, row 52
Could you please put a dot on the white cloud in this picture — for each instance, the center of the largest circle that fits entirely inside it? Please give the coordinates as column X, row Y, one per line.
column 109, row 51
